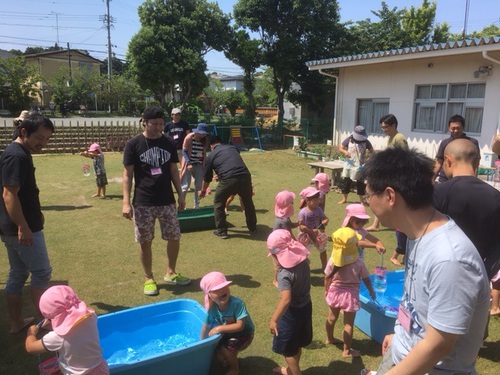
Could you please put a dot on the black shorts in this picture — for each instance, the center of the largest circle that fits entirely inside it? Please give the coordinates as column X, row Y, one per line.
column 294, row 331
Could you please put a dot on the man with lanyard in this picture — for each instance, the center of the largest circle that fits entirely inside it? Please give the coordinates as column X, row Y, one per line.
column 21, row 218
column 456, row 126
column 150, row 160
column 234, row 178
column 444, row 309
column 177, row 129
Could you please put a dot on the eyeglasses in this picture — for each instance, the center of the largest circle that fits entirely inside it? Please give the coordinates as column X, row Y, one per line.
column 367, row 197
column 385, row 126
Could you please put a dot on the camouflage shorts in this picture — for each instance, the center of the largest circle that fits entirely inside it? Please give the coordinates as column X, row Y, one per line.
column 144, row 222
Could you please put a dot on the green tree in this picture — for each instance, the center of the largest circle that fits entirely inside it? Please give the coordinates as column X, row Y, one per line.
column 291, row 31
column 117, row 66
column 491, row 30
column 18, row 82
column 246, row 53
column 233, row 100
column 166, row 55
column 75, row 89
column 265, row 95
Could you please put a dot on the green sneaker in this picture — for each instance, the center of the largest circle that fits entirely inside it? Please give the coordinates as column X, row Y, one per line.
column 150, row 288
column 177, row 279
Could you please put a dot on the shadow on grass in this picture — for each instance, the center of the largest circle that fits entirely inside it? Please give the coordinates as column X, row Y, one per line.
column 317, row 281
column 108, row 308
column 491, row 351
column 120, row 197
column 348, row 366
column 248, row 365
column 65, row 208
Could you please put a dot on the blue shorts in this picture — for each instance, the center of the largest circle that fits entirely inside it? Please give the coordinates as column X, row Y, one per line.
column 294, row 330
column 24, row 260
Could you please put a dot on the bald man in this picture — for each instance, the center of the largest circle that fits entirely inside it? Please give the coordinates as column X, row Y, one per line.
column 471, row 202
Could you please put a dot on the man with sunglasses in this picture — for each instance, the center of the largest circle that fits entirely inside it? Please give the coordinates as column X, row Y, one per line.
column 177, row 129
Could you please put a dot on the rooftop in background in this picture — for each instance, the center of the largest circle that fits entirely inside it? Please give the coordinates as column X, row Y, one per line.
column 405, row 53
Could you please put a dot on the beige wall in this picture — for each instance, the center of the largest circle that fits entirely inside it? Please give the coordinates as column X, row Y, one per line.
column 397, row 80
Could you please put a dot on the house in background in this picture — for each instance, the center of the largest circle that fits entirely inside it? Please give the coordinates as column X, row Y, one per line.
column 50, row 62
column 423, row 87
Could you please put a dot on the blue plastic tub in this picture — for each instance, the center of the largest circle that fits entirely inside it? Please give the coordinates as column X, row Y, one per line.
column 378, row 320
column 161, row 338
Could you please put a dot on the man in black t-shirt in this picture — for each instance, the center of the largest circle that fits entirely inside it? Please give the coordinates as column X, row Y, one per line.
column 234, row 178
column 150, row 159
column 471, row 202
column 177, row 129
column 21, row 218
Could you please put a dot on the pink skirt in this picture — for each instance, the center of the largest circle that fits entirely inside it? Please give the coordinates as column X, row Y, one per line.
column 346, row 299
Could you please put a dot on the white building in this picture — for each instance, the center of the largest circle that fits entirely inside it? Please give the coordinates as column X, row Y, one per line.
column 423, row 87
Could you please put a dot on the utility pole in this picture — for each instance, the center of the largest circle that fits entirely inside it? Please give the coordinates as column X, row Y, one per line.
column 69, row 64
column 108, row 21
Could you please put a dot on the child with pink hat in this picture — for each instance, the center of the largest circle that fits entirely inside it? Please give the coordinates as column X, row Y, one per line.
column 322, row 183
column 312, row 221
column 283, row 210
column 343, row 275
column 356, row 218
column 291, row 322
column 95, row 153
column 226, row 315
column 74, row 337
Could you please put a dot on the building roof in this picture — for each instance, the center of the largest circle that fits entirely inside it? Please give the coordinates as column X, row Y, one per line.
column 431, row 50
column 62, row 53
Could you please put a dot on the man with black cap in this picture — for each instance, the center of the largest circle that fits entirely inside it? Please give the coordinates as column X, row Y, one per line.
column 354, row 148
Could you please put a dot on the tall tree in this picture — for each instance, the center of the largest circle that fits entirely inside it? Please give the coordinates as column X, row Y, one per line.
column 290, row 32
column 18, row 82
column 246, row 53
column 166, row 54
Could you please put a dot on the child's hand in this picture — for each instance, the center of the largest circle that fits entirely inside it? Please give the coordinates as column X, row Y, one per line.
column 379, row 246
column 273, row 327
column 32, row 331
column 214, row 331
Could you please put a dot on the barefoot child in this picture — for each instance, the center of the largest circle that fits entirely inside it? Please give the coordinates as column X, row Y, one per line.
column 291, row 322
column 283, row 210
column 95, row 153
column 343, row 276
column 75, row 337
column 312, row 223
column 228, row 316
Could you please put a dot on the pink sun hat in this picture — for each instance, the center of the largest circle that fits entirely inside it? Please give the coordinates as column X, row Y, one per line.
column 288, row 251
column 62, row 306
column 212, row 281
column 308, row 192
column 95, row 147
column 323, row 182
column 283, row 204
column 356, row 210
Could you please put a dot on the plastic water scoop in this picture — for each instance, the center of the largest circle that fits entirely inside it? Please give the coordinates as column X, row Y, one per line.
column 380, row 277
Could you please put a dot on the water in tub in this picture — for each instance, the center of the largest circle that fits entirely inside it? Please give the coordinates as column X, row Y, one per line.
column 140, row 343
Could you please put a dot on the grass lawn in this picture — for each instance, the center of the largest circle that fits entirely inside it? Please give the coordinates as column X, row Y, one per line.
column 92, row 249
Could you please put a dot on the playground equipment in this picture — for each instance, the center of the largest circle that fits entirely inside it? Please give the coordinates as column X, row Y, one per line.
column 235, row 136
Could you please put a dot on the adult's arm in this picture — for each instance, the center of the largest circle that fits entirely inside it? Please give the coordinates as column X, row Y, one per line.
column 433, row 347
column 176, row 180
column 128, row 175
column 15, row 211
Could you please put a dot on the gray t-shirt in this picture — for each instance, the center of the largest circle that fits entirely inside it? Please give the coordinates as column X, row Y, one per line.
column 298, row 280
column 445, row 286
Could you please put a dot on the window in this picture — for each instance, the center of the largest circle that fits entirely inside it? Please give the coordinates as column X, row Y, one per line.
column 435, row 104
column 370, row 111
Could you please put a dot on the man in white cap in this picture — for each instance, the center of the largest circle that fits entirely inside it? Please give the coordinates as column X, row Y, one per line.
column 177, row 129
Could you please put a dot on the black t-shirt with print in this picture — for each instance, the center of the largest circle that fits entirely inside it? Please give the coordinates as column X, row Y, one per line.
column 17, row 169
column 177, row 131
column 151, row 159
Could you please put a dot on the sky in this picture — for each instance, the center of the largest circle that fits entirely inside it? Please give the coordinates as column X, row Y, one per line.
column 42, row 23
